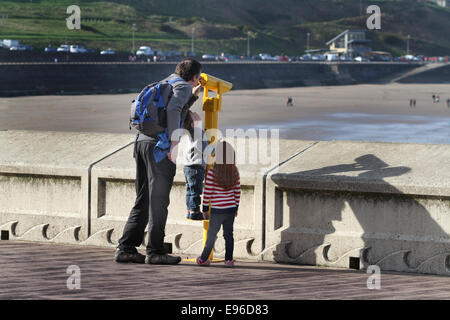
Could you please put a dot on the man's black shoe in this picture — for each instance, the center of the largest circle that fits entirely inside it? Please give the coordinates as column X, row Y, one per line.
column 122, row 256
column 162, row 259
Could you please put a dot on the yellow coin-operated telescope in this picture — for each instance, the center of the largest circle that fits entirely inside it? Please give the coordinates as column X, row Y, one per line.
column 212, row 106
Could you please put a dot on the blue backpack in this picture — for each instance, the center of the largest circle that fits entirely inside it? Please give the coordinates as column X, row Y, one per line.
column 148, row 110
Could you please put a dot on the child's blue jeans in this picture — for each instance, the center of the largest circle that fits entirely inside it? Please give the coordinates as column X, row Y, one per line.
column 194, row 176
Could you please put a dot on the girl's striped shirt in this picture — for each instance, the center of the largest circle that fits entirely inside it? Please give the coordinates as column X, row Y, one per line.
column 222, row 200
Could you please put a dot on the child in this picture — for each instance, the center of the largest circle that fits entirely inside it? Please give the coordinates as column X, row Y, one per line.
column 222, row 194
column 194, row 166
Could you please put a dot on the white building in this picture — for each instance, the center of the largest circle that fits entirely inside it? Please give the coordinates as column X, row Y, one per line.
column 351, row 43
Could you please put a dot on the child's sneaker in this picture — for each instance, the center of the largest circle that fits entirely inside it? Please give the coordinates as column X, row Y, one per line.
column 201, row 262
column 197, row 216
column 229, row 263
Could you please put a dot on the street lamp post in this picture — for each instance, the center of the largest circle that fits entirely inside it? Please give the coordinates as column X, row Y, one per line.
column 133, row 29
column 248, row 43
column 192, row 43
column 407, row 45
column 307, row 40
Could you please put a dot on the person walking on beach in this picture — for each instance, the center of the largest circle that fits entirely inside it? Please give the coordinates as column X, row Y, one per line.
column 289, row 102
column 434, row 98
column 155, row 174
column 221, row 196
column 448, row 103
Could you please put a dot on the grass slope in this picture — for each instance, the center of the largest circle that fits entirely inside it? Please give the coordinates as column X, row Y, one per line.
column 277, row 26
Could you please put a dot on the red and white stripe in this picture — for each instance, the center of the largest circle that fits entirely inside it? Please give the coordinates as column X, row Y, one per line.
column 220, row 198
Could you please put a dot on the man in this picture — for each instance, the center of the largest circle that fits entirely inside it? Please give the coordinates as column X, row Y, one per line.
column 154, row 179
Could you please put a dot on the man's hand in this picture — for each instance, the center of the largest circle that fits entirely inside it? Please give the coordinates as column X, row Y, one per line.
column 172, row 155
column 196, row 89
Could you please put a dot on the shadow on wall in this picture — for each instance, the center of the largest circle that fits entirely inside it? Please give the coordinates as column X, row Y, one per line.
column 356, row 229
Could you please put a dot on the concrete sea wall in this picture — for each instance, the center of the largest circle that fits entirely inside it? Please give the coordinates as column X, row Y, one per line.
column 83, row 78
column 331, row 203
column 439, row 75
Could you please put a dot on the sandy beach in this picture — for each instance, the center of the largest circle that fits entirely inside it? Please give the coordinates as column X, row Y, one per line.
column 359, row 112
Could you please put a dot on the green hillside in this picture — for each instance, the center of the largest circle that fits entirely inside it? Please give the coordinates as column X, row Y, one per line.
column 277, row 26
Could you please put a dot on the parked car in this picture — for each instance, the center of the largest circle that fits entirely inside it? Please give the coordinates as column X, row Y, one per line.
column 108, row 51
column 283, row 58
column 319, row 57
column 21, row 48
column 345, row 58
column 410, row 58
column 63, row 48
column 222, row 58
column 208, row 57
column 10, row 43
column 360, row 59
column 332, row 57
column 50, row 49
column 77, row 49
column 90, row 50
column 267, row 57
column 306, row 57
column 174, row 53
column 225, row 57
column 144, row 51
column 377, row 57
column 421, row 57
column 159, row 57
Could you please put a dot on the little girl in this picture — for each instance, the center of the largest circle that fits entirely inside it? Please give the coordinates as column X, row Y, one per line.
column 222, row 192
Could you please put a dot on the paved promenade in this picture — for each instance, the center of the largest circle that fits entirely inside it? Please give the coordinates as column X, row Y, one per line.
column 39, row 271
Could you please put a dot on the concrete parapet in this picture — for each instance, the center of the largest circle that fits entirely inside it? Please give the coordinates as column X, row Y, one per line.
column 358, row 204
column 113, row 195
column 44, row 182
column 335, row 203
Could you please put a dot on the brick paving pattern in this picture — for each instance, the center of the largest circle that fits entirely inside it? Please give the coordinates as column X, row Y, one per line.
column 38, row 271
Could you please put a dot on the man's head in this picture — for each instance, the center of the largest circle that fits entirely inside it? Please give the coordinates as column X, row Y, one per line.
column 189, row 70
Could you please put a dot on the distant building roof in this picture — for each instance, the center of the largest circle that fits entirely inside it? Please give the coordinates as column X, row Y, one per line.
column 316, row 50
column 360, row 41
column 343, row 33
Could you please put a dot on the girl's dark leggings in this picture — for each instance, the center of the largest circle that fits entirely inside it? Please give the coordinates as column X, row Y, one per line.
column 216, row 221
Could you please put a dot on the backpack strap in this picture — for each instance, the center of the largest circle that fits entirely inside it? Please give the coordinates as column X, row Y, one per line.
column 175, row 80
